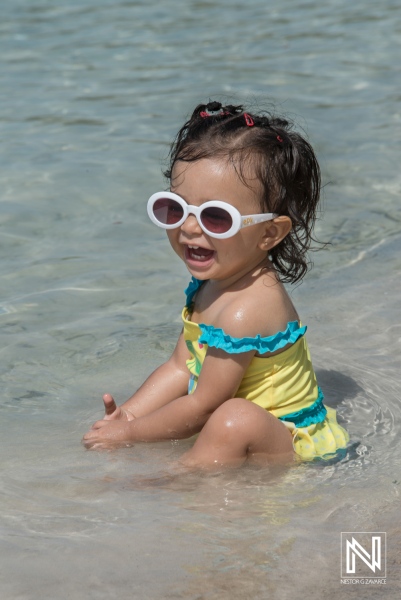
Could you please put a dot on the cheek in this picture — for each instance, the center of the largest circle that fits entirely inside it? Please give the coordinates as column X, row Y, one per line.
column 242, row 242
column 172, row 235
column 172, row 238
column 231, row 249
column 242, row 245
column 252, row 237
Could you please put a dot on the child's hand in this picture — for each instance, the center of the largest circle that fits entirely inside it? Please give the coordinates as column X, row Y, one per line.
column 112, row 436
column 108, row 434
column 113, row 412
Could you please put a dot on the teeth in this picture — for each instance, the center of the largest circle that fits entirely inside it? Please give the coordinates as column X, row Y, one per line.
column 193, row 247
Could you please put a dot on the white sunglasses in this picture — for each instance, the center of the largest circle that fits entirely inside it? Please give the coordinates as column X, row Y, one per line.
column 217, row 219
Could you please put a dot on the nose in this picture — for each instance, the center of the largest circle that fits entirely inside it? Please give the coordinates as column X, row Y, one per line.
column 191, row 226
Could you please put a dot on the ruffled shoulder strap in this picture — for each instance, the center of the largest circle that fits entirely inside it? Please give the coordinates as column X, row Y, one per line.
column 191, row 290
column 217, row 338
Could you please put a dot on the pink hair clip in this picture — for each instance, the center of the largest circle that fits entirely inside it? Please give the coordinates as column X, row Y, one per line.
column 204, row 114
column 279, row 139
column 248, row 120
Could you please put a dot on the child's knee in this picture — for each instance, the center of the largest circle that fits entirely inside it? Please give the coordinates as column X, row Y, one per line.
column 242, row 419
column 233, row 417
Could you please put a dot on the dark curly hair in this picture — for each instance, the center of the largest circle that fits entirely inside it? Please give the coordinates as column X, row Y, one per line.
column 282, row 160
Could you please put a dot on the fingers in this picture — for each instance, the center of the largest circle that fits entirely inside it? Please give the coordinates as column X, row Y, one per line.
column 107, row 434
column 109, row 404
column 92, row 444
column 97, row 445
column 91, row 438
column 99, row 424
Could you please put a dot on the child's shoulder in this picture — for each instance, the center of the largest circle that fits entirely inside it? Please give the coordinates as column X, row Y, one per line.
column 261, row 308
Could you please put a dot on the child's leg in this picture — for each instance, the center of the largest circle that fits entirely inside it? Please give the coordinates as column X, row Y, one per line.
column 240, row 431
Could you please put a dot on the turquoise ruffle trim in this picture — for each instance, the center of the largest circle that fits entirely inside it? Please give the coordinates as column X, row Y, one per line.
column 308, row 416
column 191, row 290
column 217, row 338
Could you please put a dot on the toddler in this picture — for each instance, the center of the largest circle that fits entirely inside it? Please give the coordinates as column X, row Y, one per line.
column 240, row 211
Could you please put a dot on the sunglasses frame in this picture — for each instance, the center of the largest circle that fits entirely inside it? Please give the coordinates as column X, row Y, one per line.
column 238, row 221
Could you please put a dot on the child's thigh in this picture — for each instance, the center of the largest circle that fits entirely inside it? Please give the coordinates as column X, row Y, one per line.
column 242, row 431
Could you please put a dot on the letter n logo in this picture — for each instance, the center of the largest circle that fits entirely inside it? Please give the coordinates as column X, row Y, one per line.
column 363, row 554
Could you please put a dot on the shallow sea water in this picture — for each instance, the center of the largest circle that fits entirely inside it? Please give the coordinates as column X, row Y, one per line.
column 90, row 295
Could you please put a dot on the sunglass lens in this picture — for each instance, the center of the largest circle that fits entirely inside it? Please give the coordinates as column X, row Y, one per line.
column 168, row 211
column 216, row 220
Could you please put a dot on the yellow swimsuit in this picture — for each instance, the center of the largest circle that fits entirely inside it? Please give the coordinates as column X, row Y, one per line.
column 284, row 384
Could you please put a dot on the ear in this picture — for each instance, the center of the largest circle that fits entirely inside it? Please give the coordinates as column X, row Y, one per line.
column 274, row 232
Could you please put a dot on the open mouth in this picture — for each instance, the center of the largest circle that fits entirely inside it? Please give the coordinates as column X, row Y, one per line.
column 198, row 254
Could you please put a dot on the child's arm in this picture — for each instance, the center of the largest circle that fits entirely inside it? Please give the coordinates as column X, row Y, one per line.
column 166, row 383
column 220, row 378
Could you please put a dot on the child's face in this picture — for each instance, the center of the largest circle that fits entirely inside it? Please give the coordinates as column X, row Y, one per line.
column 207, row 257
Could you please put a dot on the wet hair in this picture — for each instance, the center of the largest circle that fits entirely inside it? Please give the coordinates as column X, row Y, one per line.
column 280, row 158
